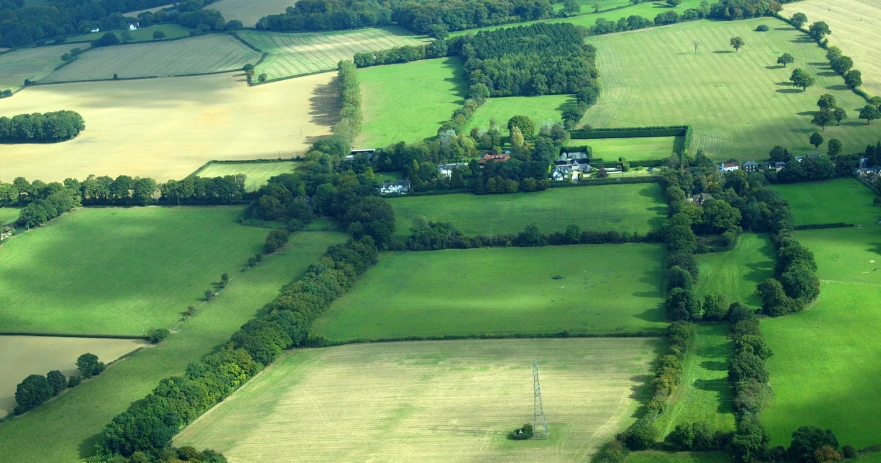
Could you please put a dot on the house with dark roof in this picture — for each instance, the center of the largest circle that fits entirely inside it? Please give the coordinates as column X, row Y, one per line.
column 750, row 166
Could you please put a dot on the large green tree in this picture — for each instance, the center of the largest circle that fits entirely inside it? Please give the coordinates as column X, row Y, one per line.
column 798, row 20
column 785, row 59
column 800, row 78
column 870, row 113
column 524, row 123
column 33, row 391
column 737, row 43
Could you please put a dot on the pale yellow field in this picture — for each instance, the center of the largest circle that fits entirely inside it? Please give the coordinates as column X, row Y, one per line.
column 856, row 29
column 431, row 401
column 30, row 63
column 38, row 355
column 168, row 128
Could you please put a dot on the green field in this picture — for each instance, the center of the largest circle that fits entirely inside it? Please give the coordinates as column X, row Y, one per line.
column 844, row 200
column 431, row 401
column 825, row 369
column 197, row 55
column 739, row 104
column 258, row 173
column 308, row 53
column 704, row 393
column 678, row 457
column 247, row 11
column 625, row 208
column 144, row 34
column 8, row 214
column 119, row 271
column 736, row 273
column 66, row 428
column 537, row 108
column 587, row 5
column 632, row 149
column 389, row 92
column 30, row 63
column 603, row 289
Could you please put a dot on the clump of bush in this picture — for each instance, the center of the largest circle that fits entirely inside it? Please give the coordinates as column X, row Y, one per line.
column 276, row 239
column 762, row 28
column 157, row 335
column 89, row 365
column 526, row 432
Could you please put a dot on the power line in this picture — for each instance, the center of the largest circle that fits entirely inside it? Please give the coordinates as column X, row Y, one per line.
column 538, row 408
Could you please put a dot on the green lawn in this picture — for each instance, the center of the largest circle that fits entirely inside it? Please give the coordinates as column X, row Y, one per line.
column 604, row 289
column 409, row 102
column 832, row 201
column 704, row 394
column 632, row 149
column 739, row 104
column 8, row 214
column 537, row 108
column 144, row 34
column 825, row 369
column 258, row 173
column 66, row 429
column 736, row 273
column 625, row 208
column 119, row 271
column 678, row 457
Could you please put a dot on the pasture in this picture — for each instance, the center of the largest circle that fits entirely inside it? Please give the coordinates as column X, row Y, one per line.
column 46, row 434
column 739, row 104
column 855, row 25
column 29, row 63
column 432, row 401
column 38, row 355
column 537, row 108
column 736, row 273
column 248, row 12
column 836, row 338
column 151, row 264
column 608, row 289
column 197, row 55
column 652, row 456
column 625, row 208
column 257, row 173
column 632, row 149
column 176, row 125
column 389, row 93
column 839, row 200
column 307, row 53
column 704, row 393
column 143, row 34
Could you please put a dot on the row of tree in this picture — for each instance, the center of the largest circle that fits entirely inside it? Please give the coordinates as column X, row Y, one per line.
column 41, row 128
column 350, row 102
column 633, row 22
column 37, row 389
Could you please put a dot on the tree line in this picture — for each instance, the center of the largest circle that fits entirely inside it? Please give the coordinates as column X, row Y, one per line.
column 633, row 22
column 34, row 390
column 350, row 101
column 41, row 128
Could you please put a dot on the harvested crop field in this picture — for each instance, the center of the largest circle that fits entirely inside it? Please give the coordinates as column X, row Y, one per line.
column 256, row 174
column 431, row 401
column 37, row 355
column 196, row 55
column 30, row 63
column 249, row 11
column 174, row 127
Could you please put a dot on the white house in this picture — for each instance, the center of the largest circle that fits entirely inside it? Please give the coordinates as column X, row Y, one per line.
column 400, row 187
column 728, row 166
column 133, row 27
column 446, row 170
column 96, row 30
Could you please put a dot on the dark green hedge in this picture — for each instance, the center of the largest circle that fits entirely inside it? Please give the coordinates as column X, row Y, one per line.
column 820, row 226
column 605, row 181
column 631, row 132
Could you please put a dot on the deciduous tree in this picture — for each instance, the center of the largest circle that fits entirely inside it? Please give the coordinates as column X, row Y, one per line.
column 816, row 140
column 802, row 79
column 785, row 59
column 798, row 20
column 737, row 42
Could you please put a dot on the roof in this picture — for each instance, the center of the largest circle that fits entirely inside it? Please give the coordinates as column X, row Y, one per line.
column 729, row 164
column 750, row 164
column 495, row 157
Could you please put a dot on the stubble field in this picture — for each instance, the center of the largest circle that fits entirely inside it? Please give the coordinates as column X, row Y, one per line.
column 431, row 401
column 30, row 63
column 249, row 11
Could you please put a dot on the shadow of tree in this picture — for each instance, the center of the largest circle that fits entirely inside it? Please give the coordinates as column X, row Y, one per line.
column 324, row 104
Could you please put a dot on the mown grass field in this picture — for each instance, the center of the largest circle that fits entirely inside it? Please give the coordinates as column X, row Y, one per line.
column 143, row 34
column 8, row 214
column 632, row 149
column 151, row 264
column 736, row 273
column 587, row 5
column 825, row 369
column 258, row 173
column 174, row 127
column 37, row 355
column 306, row 53
column 197, row 55
column 432, row 401
column 855, row 27
column 389, row 95
column 739, row 104
column 652, row 456
column 625, row 208
column 840, row 200
column 46, row 434
column 537, row 108
column 704, row 393
column 602, row 289
column 30, row 63
column 248, row 12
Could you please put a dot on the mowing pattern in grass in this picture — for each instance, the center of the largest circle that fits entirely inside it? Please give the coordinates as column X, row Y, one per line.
column 736, row 273
column 46, row 434
column 854, row 24
column 8, row 214
column 198, row 55
column 144, row 34
column 704, row 394
column 537, row 108
column 825, row 369
column 832, row 201
column 625, row 208
column 739, row 104
column 431, row 401
column 150, row 265
column 258, row 173
column 408, row 102
column 31, row 63
column 678, row 457
column 298, row 54
column 603, row 289
column 633, row 149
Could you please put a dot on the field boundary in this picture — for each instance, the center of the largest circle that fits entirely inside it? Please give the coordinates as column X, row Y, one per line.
column 559, row 335
column 33, row 83
column 684, row 131
column 72, row 335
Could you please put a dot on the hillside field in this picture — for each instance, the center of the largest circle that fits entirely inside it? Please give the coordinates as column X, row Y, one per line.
column 537, row 108
column 736, row 273
column 29, row 63
column 389, row 93
column 196, row 55
column 294, row 54
column 836, row 338
column 45, row 434
column 143, row 34
column 173, row 127
column 258, row 173
column 8, row 214
column 592, row 289
column 151, row 264
column 632, row 149
column 624, row 208
column 844, row 200
column 432, row 401
column 739, row 104
column 248, row 11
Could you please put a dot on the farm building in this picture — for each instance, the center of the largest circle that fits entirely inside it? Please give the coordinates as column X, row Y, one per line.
column 729, row 166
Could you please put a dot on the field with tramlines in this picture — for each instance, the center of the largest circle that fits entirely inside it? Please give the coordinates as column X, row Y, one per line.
column 30, row 63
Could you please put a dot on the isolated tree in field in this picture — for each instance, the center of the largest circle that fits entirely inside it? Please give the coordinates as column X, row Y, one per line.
column 674, row 3
column 839, row 114
column 696, row 45
column 870, row 113
column 66, row 57
column 826, row 101
column 833, row 147
column 31, row 392
column 89, row 365
column 798, row 20
column 737, row 42
column 249, row 71
column 802, row 79
column 822, row 118
column 853, row 78
column 816, row 139
column 596, row 7
column 635, row 2
column 818, row 30
column 785, row 59
column 571, row 7
column 57, row 381
column 261, row 78
column 158, row 35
